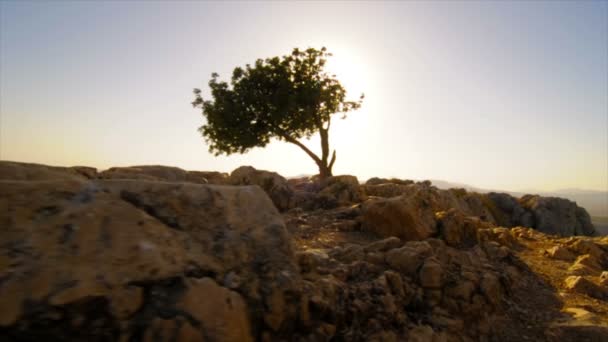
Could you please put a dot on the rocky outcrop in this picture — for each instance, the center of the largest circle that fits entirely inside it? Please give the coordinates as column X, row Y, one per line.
column 341, row 190
column 128, row 259
column 409, row 217
column 272, row 183
column 132, row 259
column 557, row 216
column 164, row 173
column 37, row 172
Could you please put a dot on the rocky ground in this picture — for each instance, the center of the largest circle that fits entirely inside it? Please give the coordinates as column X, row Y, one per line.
column 155, row 253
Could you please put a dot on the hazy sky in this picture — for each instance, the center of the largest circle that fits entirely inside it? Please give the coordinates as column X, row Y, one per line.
column 503, row 95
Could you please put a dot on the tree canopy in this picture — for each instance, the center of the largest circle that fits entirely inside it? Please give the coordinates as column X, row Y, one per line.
column 290, row 98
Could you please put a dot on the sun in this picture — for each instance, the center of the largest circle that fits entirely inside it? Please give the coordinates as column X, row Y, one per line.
column 350, row 69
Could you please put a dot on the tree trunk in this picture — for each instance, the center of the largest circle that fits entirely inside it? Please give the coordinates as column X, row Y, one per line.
column 324, row 165
column 324, row 171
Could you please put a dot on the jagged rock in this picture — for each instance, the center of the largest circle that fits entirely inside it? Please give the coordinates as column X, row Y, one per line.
column 221, row 313
column 561, row 253
column 431, row 274
column 273, row 184
column 342, row 190
column 408, row 258
column 558, row 216
column 456, row 229
column 310, row 259
column 580, row 284
column 406, row 217
column 385, row 190
column 164, row 173
column 507, row 210
column 306, row 184
column 378, row 181
column 589, row 261
column 146, row 172
column 38, row 172
column 93, row 249
column 86, row 171
column 207, row 177
column 604, row 278
column 383, row 245
column 491, row 288
column 581, row 246
column 424, row 333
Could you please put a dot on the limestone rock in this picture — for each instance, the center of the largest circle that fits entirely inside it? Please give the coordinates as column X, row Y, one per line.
column 456, row 229
column 431, row 274
column 383, row 245
column 272, row 183
column 146, row 172
column 558, row 216
column 343, row 189
column 91, row 249
column 584, row 286
column 38, row 172
column 221, row 313
column 385, row 190
column 406, row 217
column 408, row 258
column 561, row 253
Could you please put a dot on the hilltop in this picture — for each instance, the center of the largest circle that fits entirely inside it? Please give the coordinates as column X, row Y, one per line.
column 160, row 253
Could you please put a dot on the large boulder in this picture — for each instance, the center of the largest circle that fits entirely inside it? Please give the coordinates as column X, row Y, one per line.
column 132, row 259
column 38, row 172
column 558, row 216
column 275, row 185
column 164, row 173
column 410, row 216
column 507, row 210
column 342, row 190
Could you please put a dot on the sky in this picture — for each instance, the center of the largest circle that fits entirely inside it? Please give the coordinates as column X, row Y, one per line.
column 497, row 94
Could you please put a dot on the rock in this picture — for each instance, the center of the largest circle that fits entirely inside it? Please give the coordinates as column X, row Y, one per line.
column 431, row 274
column 604, row 278
column 589, row 261
column 386, row 190
column 491, row 288
column 86, row 171
column 456, row 229
column 581, row 270
column 310, row 259
column 146, row 172
column 348, row 254
column 584, row 286
column 558, row 216
column 378, row 181
column 560, row 253
column 462, row 290
column 207, row 177
column 120, row 257
column 272, row 183
column 424, row 333
column 507, row 211
column 306, row 184
column 581, row 246
column 409, row 258
column 383, row 245
column 406, row 217
column 37, row 172
column 343, row 190
column 221, row 313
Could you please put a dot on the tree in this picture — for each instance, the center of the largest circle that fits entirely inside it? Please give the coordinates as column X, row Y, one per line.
column 290, row 98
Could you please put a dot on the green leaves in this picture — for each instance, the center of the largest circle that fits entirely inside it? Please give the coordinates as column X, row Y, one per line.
column 289, row 97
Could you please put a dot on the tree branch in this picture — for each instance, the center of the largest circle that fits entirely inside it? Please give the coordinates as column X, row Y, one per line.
column 287, row 138
column 333, row 160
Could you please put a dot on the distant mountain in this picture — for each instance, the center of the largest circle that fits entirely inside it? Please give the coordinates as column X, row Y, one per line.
column 596, row 202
